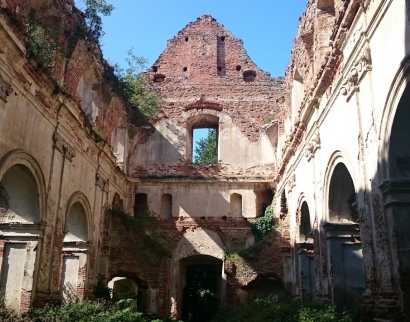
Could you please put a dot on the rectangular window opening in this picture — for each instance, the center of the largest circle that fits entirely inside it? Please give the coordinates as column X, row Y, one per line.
column 205, row 145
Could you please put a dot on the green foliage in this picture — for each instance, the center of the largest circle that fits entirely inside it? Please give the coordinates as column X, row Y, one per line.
column 101, row 291
column 92, row 10
column 144, row 219
column 263, row 225
column 88, row 312
column 43, row 44
column 272, row 310
column 206, row 149
column 268, row 119
column 152, row 239
column 131, row 83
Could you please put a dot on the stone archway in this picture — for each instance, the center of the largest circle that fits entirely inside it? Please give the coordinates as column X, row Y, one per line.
column 343, row 241
column 197, row 248
column 202, row 281
column 396, row 192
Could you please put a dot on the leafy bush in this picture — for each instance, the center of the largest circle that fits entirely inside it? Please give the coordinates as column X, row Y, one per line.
column 131, row 83
column 263, row 225
column 279, row 311
column 100, row 311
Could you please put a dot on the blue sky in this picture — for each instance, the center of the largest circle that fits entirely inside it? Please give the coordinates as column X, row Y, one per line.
column 267, row 27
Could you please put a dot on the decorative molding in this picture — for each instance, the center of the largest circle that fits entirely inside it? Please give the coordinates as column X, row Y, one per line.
column 291, row 182
column 313, row 146
column 100, row 181
column 351, row 84
column 5, row 89
column 63, row 146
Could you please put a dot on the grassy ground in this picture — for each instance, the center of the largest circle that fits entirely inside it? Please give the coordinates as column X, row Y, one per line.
column 123, row 311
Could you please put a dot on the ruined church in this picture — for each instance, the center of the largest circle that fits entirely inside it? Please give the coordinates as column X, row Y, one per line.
column 325, row 148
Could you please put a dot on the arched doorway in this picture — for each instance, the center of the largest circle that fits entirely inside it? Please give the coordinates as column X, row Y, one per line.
column 202, row 287
column 306, row 265
column 344, row 248
column 20, row 226
column 198, row 255
column 128, row 288
column 396, row 193
column 74, row 253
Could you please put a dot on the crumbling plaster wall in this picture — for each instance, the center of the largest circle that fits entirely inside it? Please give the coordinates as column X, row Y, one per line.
column 48, row 128
column 344, row 118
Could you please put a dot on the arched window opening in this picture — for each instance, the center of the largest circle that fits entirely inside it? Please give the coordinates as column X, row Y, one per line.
column 236, row 205
column 342, row 196
column 166, row 206
column 123, row 288
column 305, row 228
column 264, row 198
column 297, row 94
column 202, row 139
column 88, row 89
column 118, row 143
column 19, row 197
column 141, row 204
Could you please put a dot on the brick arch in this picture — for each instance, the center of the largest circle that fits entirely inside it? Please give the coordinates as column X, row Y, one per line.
column 397, row 89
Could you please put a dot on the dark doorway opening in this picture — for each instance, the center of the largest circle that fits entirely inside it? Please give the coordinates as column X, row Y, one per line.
column 200, row 294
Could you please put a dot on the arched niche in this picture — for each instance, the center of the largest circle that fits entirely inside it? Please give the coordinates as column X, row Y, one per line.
column 76, row 224
column 236, row 205
column 88, row 89
column 166, row 206
column 343, row 238
column 75, row 249
column 342, row 196
column 305, row 227
column 22, row 199
column 19, row 196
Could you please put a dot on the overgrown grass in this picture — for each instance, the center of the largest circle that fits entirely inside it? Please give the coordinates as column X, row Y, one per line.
column 102, row 311
column 279, row 311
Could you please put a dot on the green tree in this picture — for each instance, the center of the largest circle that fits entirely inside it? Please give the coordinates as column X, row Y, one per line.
column 132, row 85
column 206, row 149
column 92, row 10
